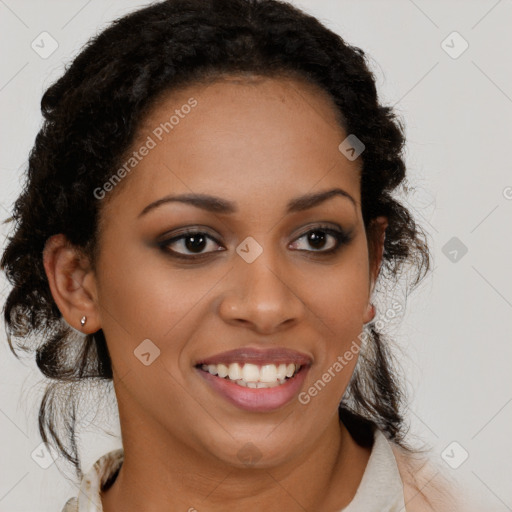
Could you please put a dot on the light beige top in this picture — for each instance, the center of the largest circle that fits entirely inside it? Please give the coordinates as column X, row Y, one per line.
column 380, row 490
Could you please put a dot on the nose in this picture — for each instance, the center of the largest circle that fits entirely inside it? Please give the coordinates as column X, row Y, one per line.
column 261, row 296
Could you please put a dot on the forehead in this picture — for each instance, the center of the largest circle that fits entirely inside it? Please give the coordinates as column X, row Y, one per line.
column 242, row 136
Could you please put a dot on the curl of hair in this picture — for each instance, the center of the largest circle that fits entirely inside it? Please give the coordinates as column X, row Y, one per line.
column 91, row 115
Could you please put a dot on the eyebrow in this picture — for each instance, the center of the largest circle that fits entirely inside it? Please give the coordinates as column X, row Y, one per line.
column 219, row 205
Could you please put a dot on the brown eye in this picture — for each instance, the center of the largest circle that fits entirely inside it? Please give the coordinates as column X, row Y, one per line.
column 317, row 239
column 322, row 240
column 195, row 243
column 190, row 244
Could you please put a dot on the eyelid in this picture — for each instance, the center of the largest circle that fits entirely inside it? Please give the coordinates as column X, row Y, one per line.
column 327, row 226
column 341, row 236
column 181, row 234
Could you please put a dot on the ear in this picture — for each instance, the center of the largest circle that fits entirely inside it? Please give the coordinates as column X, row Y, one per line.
column 376, row 238
column 72, row 283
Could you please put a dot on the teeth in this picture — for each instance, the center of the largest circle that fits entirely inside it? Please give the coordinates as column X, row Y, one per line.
column 254, row 376
column 290, row 370
column 235, row 372
column 268, row 373
column 281, row 371
column 222, row 370
column 250, row 373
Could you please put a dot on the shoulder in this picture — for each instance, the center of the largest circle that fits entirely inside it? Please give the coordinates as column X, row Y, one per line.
column 100, row 477
column 427, row 486
column 71, row 505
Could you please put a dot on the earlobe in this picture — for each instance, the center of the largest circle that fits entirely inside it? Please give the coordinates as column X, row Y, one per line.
column 370, row 313
column 69, row 277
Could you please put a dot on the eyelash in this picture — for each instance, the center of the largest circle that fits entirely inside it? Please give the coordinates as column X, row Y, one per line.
column 340, row 236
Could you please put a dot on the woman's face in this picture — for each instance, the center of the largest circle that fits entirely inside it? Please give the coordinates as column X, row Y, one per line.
column 262, row 280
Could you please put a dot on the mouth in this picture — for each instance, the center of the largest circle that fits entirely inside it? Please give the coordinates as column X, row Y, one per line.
column 256, row 380
column 254, row 376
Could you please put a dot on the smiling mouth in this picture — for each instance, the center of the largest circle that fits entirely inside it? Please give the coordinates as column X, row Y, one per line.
column 252, row 375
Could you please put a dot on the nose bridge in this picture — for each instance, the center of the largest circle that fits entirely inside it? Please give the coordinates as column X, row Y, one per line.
column 259, row 292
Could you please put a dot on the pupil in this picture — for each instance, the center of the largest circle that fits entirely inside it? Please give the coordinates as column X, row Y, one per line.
column 195, row 243
column 317, row 239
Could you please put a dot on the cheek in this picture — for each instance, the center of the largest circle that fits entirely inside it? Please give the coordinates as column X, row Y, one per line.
column 339, row 294
column 133, row 302
column 143, row 297
column 339, row 300
column 325, row 389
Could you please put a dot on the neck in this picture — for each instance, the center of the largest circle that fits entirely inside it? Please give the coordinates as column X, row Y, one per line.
column 160, row 473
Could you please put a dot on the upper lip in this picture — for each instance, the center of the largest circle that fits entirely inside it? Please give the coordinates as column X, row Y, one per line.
column 277, row 355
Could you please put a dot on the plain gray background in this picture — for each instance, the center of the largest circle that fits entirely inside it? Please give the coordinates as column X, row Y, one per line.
column 454, row 341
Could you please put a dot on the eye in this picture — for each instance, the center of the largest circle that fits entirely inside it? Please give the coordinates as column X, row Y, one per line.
column 325, row 240
column 190, row 244
column 194, row 244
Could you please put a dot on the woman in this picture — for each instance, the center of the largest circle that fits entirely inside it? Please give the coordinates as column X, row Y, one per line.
column 209, row 203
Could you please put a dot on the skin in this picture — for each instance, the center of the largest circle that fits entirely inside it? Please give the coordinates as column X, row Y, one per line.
column 259, row 142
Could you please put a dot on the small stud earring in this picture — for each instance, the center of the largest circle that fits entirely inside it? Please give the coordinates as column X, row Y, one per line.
column 83, row 320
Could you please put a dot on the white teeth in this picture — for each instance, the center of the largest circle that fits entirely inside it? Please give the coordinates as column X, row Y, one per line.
column 268, row 373
column 258, row 385
column 250, row 373
column 235, row 372
column 290, row 370
column 222, row 370
column 281, row 371
column 254, row 376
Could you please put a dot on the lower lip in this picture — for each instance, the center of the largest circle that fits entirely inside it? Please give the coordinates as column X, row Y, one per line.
column 254, row 399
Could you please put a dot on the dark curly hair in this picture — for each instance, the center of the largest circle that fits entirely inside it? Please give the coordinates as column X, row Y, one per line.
column 91, row 115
